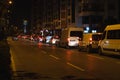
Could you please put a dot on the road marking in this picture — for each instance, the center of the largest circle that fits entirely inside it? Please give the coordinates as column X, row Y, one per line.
column 44, row 52
column 95, row 56
column 76, row 67
column 118, row 62
column 54, row 57
column 13, row 64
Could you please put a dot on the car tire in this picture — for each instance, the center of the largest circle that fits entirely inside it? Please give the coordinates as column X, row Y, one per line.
column 67, row 47
column 100, row 51
column 88, row 49
column 79, row 49
column 57, row 44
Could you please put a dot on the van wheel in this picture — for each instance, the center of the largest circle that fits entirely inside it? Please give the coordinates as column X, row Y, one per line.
column 100, row 51
column 79, row 49
column 67, row 47
column 57, row 44
column 88, row 49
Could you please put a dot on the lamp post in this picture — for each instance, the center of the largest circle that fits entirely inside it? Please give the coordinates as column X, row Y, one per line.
column 10, row 2
column 25, row 22
column 9, row 9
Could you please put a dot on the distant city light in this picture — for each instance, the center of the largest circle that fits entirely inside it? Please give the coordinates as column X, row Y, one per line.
column 87, row 28
column 94, row 31
column 85, row 31
column 10, row 2
column 25, row 22
column 42, row 32
column 47, row 30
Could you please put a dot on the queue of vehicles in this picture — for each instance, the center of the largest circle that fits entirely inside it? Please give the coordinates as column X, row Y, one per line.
column 107, row 42
column 90, row 42
column 70, row 37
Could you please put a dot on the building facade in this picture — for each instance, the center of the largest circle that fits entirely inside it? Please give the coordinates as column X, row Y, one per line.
column 93, row 14
column 59, row 14
column 5, row 14
column 45, row 14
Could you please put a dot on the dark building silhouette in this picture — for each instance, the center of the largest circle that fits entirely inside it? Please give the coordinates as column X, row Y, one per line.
column 59, row 14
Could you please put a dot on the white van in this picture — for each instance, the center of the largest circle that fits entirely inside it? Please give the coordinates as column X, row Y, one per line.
column 70, row 37
column 90, row 42
column 110, row 43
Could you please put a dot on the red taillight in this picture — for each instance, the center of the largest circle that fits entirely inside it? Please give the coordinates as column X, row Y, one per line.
column 68, row 39
column 90, row 40
column 52, row 40
column 56, row 36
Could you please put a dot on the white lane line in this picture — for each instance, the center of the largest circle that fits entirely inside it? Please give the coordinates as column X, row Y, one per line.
column 118, row 62
column 13, row 64
column 54, row 57
column 44, row 52
column 94, row 56
column 76, row 67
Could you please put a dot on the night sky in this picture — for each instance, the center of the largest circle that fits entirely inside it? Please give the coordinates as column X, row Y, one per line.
column 21, row 10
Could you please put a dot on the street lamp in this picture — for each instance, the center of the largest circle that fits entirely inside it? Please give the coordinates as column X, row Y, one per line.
column 10, row 2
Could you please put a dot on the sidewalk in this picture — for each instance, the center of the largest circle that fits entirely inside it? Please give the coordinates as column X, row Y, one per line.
column 5, row 61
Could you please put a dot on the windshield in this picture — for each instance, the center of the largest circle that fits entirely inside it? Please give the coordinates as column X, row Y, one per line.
column 96, row 37
column 76, row 34
column 113, row 34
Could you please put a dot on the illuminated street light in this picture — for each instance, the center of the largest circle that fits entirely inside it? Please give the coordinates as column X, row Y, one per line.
column 10, row 2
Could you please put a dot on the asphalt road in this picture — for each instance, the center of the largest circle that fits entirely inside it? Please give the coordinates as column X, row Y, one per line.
column 37, row 61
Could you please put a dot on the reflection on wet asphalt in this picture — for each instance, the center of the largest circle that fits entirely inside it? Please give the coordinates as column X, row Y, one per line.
column 24, row 75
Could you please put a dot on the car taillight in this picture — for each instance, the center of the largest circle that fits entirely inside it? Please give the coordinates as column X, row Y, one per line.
column 53, row 41
column 68, row 39
column 90, row 40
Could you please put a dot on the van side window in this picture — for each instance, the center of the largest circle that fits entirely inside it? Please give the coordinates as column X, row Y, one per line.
column 103, row 35
column 113, row 34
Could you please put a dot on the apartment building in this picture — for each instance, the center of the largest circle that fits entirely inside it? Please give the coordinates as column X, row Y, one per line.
column 93, row 14
column 46, row 14
column 4, row 18
column 89, row 13
column 67, row 13
column 59, row 14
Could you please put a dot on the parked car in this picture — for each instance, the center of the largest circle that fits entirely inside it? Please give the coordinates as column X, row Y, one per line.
column 15, row 37
column 47, row 39
column 55, row 39
column 30, row 37
column 40, row 38
column 110, row 42
column 90, row 42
